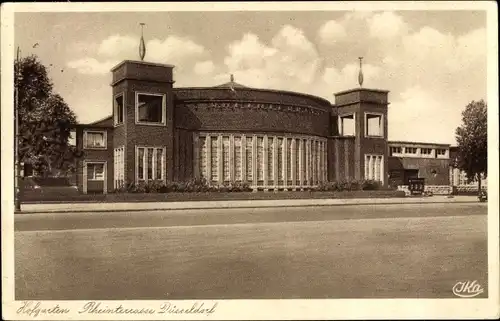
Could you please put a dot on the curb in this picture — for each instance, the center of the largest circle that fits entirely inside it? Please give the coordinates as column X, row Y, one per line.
column 233, row 207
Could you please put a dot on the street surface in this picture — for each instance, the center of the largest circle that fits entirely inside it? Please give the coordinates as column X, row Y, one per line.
column 383, row 251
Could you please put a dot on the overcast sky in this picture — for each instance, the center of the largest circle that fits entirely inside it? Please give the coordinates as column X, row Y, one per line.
column 432, row 62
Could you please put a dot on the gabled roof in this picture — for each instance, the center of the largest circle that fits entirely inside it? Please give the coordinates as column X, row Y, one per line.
column 102, row 120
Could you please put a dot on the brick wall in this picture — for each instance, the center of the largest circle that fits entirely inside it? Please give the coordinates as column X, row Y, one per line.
column 95, row 155
column 361, row 101
column 134, row 134
column 341, row 161
column 435, row 171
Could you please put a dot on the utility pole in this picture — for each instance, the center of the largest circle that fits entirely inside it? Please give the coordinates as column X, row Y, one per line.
column 17, row 201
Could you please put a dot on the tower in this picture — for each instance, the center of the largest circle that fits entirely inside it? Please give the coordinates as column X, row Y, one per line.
column 143, row 118
column 365, row 110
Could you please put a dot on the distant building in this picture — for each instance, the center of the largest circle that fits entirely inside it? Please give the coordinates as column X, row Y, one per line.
column 270, row 139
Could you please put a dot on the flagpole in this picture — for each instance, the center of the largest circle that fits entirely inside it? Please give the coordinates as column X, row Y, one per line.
column 17, row 201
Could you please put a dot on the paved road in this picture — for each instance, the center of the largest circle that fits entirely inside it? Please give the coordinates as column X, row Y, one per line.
column 366, row 252
column 90, row 220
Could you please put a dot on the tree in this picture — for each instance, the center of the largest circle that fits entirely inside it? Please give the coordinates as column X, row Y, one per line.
column 472, row 138
column 45, row 120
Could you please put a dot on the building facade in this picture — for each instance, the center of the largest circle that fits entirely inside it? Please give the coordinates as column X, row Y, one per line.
column 272, row 140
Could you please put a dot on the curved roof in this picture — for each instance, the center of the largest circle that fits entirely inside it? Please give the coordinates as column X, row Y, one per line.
column 229, row 90
column 231, row 84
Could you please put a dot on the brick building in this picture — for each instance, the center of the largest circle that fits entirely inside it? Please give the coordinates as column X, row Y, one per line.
column 231, row 133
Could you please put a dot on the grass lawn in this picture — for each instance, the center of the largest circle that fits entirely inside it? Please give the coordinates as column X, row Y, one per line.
column 366, row 258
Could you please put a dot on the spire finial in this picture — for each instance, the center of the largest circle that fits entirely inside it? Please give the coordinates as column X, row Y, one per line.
column 231, row 78
column 360, row 75
column 142, row 45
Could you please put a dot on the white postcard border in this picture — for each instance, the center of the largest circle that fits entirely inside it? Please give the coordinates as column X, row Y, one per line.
column 257, row 309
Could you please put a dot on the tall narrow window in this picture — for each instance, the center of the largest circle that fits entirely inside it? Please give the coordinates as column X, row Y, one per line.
column 270, row 160
column 289, row 159
column 203, row 157
column 319, row 170
column 309, row 167
column 313, row 162
column 214, row 159
column 374, row 125
column 319, row 162
column 225, row 157
column 297, row 161
column 280, row 158
column 119, row 109
column 374, row 167
column 119, row 167
column 377, row 165
column 140, row 164
column 150, row 164
column 347, row 125
column 260, row 158
column 248, row 158
column 304, row 161
column 159, row 163
column 237, row 158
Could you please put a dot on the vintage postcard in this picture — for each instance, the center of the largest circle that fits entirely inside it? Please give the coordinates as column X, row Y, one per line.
column 250, row 161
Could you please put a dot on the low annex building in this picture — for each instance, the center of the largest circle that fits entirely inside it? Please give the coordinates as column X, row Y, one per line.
column 270, row 139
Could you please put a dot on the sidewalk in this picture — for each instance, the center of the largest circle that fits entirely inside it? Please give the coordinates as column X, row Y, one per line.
column 157, row 206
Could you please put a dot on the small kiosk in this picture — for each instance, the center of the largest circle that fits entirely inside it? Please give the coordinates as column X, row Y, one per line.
column 416, row 186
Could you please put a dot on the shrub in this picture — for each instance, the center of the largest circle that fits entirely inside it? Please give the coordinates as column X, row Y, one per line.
column 139, row 188
column 246, row 187
column 163, row 188
column 153, row 186
column 348, row 185
column 371, row 185
column 237, row 187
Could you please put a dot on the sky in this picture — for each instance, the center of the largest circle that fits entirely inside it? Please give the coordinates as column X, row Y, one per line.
column 432, row 62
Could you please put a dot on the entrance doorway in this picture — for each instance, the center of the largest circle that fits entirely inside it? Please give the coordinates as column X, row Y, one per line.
column 409, row 174
column 94, row 178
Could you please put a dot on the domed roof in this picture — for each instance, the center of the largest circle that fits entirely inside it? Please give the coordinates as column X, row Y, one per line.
column 231, row 84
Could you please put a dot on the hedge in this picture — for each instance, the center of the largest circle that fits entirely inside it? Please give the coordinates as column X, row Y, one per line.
column 206, row 196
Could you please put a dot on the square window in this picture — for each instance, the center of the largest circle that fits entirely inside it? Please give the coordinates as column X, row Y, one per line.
column 119, row 109
column 410, row 150
column 150, row 108
column 395, row 150
column 441, row 152
column 95, row 139
column 374, row 125
column 426, row 151
column 95, row 171
column 347, row 125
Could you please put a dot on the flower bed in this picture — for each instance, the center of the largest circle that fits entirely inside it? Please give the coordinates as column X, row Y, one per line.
column 200, row 190
column 208, row 196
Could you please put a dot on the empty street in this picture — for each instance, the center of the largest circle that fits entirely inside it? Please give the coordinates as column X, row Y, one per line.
column 383, row 251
